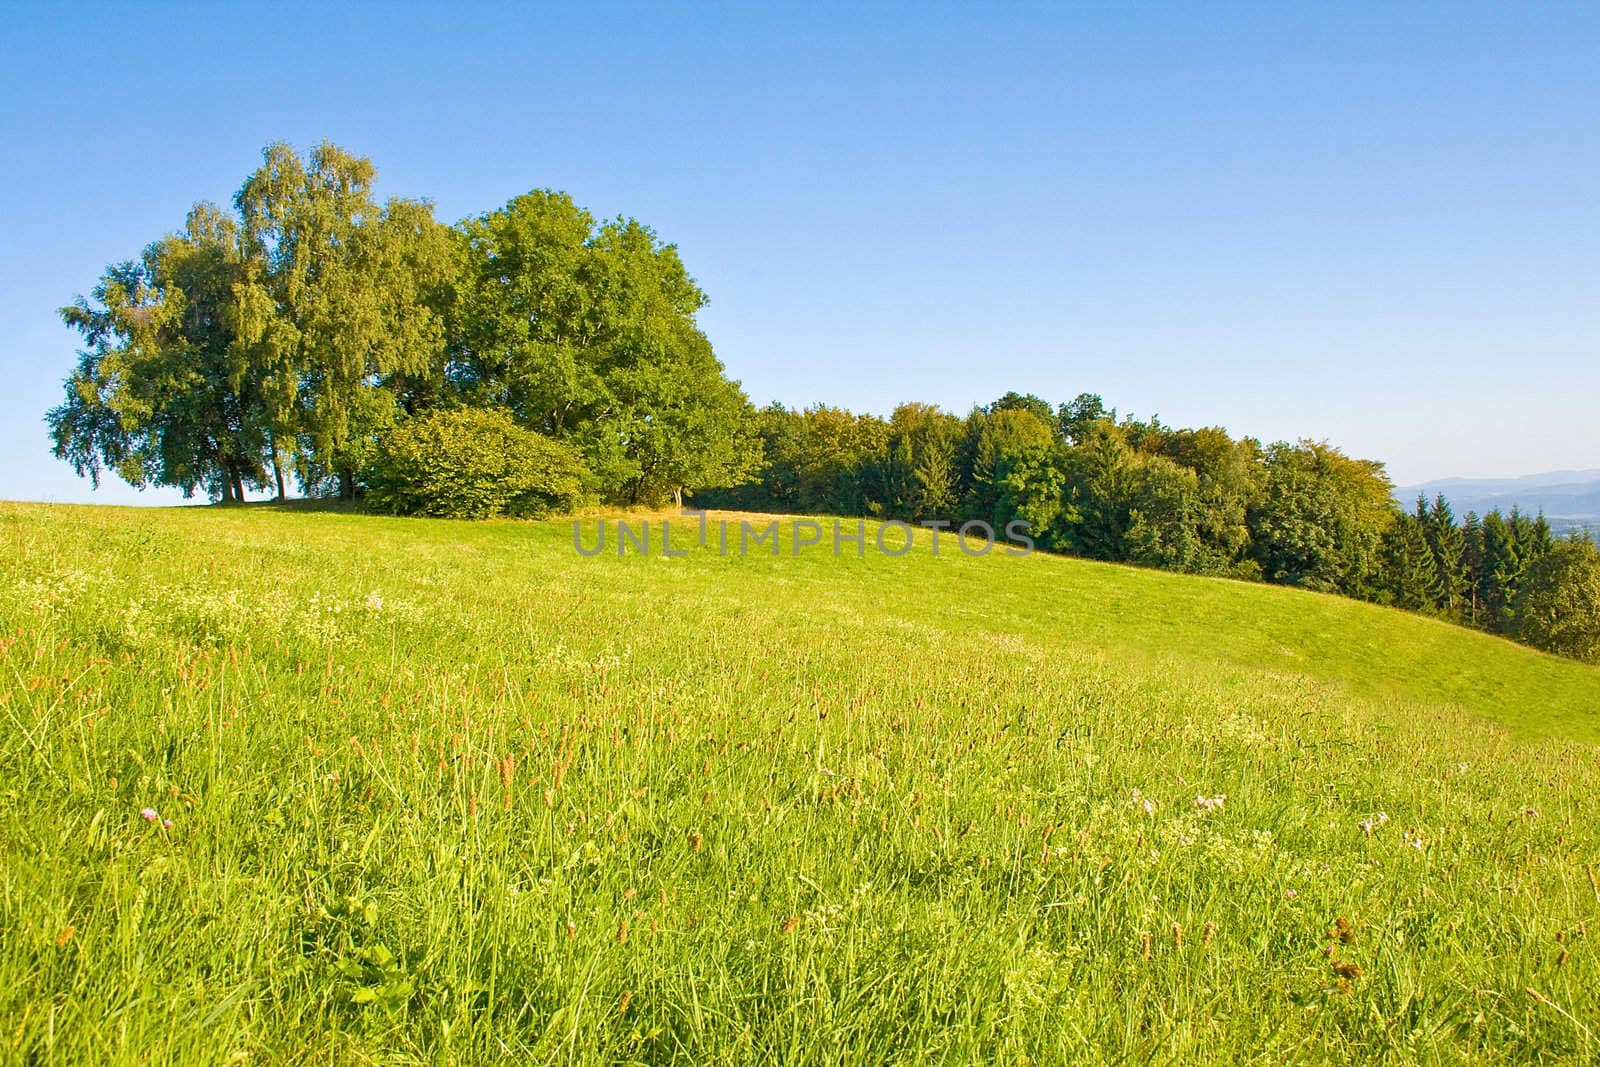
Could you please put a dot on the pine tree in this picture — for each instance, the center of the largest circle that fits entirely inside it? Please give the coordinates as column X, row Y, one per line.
column 1541, row 541
column 1500, row 570
column 935, row 474
column 1472, row 562
column 1413, row 577
column 1448, row 545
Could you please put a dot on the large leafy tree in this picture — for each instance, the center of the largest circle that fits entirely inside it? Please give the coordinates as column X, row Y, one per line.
column 534, row 328
column 679, row 425
column 1102, row 486
column 834, row 458
column 1228, row 481
column 1034, row 489
column 1558, row 606
column 1163, row 516
column 587, row 332
column 1077, row 418
column 340, row 305
column 1320, row 518
column 163, row 393
column 919, row 475
column 997, row 441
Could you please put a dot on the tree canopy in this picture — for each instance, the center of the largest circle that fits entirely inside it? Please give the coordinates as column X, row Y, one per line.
column 295, row 332
column 1129, row 490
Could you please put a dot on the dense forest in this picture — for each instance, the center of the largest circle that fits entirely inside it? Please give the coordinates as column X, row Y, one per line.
column 1196, row 500
column 531, row 358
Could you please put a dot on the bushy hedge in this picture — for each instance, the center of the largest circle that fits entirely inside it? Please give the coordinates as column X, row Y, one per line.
column 472, row 463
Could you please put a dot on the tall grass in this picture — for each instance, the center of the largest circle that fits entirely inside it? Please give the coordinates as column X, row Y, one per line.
column 446, row 792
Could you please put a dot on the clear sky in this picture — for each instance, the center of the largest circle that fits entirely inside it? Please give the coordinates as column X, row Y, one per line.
column 1377, row 224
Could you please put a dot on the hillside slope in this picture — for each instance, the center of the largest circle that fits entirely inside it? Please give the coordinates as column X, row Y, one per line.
column 445, row 790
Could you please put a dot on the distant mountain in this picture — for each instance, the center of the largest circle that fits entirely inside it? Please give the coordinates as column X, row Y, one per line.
column 1569, row 499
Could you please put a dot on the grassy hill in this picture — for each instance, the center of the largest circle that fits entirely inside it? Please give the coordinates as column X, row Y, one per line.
column 444, row 792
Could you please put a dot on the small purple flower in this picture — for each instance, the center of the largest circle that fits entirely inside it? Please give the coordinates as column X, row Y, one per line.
column 150, row 815
column 166, row 824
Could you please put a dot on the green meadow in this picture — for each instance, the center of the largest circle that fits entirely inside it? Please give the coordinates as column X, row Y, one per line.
column 281, row 785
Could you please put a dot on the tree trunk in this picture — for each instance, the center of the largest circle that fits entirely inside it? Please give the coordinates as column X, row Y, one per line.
column 238, row 483
column 277, row 468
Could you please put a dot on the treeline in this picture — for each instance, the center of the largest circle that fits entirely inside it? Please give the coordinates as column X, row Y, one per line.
column 531, row 358
column 1195, row 500
column 287, row 337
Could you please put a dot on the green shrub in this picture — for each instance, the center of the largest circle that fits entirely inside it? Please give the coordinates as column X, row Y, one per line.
column 1558, row 606
column 472, row 463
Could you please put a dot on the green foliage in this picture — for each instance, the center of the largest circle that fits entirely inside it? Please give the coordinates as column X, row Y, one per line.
column 165, row 394
column 377, row 977
column 1078, row 418
column 998, row 442
column 1137, row 491
column 586, row 332
column 1102, row 483
column 295, row 333
column 1411, row 572
column 1447, row 544
column 1557, row 607
column 348, row 294
column 822, row 459
column 1161, row 518
column 1504, row 548
column 1229, row 478
column 472, row 463
column 1321, row 518
column 1032, row 488
column 315, row 327
column 1026, row 404
column 919, row 479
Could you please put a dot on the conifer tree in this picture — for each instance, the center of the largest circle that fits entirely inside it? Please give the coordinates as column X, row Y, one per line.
column 1413, row 575
column 1448, row 545
column 1471, row 562
column 1499, row 570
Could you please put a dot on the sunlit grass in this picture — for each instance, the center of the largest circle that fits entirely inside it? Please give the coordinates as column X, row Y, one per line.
column 447, row 792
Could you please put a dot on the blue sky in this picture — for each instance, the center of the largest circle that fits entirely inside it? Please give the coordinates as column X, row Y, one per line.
column 1377, row 225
